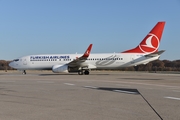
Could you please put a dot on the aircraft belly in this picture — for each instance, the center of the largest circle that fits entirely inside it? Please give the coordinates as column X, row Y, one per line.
column 40, row 65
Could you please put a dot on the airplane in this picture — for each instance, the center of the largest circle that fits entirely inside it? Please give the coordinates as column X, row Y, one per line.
column 144, row 53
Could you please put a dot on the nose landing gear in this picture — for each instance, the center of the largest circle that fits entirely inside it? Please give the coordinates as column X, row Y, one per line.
column 24, row 72
column 86, row 72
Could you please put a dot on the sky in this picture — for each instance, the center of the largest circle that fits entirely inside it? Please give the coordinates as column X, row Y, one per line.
column 69, row 26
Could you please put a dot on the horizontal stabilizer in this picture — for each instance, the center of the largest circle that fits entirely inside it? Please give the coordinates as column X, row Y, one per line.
column 155, row 54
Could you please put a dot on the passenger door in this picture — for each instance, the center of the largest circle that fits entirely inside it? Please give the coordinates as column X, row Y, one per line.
column 24, row 61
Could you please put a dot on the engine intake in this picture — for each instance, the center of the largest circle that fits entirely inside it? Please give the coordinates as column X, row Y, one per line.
column 60, row 68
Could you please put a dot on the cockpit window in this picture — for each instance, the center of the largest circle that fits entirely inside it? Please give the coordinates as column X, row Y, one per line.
column 16, row 60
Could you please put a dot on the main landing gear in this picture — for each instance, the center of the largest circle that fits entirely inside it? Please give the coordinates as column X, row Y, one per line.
column 85, row 72
column 24, row 72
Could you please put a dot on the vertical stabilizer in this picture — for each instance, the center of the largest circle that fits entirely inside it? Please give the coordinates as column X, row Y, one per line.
column 150, row 43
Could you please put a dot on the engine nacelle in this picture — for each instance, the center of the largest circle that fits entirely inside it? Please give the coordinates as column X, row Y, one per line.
column 60, row 68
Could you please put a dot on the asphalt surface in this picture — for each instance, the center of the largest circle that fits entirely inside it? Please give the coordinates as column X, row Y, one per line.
column 107, row 95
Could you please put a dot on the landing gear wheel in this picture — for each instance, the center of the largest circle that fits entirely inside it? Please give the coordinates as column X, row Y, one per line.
column 24, row 72
column 80, row 72
column 86, row 72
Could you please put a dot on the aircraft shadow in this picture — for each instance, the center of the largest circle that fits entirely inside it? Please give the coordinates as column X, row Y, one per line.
column 69, row 74
column 54, row 74
column 126, row 91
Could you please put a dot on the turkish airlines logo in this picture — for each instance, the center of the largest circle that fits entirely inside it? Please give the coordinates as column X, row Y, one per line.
column 150, row 44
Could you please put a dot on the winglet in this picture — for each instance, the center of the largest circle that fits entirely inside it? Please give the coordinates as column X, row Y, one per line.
column 87, row 53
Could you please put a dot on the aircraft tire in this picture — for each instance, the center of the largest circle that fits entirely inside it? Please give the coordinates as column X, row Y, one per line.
column 86, row 72
column 80, row 72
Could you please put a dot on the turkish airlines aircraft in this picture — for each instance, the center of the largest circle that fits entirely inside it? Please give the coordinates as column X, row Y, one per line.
column 144, row 53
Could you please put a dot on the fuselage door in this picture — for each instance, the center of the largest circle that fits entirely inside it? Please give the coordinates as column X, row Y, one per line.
column 24, row 62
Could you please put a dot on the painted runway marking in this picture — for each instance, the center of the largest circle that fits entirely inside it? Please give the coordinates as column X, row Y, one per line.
column 135, row 83
column 150, row 84
column 91, row 87
column 121, row 91
column 174, row 98
column 69, row 84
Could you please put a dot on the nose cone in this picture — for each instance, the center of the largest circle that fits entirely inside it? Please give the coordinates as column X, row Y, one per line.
column 11, row 64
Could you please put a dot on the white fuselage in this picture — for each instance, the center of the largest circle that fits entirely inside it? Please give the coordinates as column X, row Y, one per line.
column 94, row 61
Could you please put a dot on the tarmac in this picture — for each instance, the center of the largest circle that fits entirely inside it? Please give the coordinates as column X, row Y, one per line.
column 102, row 95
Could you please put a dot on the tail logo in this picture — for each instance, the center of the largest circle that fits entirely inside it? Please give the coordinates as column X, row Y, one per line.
column 150, row 44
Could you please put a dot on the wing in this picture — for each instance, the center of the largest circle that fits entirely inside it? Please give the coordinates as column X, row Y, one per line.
column 81, row 59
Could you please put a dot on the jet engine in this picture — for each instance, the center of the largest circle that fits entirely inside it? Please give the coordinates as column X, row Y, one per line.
column 60, row 68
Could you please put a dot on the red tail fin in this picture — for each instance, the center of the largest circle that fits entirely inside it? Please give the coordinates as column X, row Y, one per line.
column 150, row 43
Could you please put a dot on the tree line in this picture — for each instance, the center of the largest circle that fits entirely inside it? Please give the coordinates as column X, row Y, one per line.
column 4, row 65
column 158, row 65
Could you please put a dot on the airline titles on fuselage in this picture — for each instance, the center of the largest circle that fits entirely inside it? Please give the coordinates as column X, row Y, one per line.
column 46, row 58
